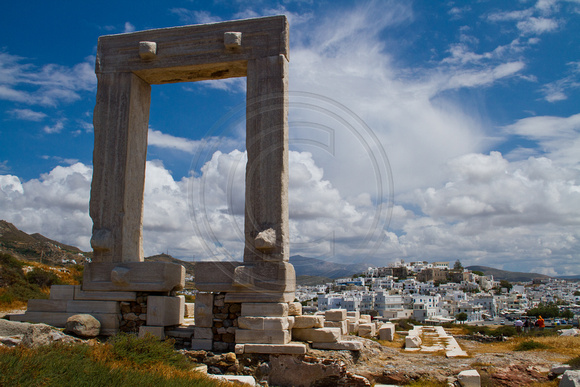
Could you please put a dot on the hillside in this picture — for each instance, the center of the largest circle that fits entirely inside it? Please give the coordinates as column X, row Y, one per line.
column 37, row 247
column 511, row 276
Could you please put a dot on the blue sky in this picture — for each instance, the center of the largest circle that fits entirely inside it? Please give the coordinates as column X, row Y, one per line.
column 420, row 130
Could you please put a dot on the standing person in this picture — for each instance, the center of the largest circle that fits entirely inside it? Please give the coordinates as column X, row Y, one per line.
column 519, row 324
column 526, row 325
column 541, row 323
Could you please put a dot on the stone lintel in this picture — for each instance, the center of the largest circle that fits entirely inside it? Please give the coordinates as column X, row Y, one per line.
column 133, row 276
column 264, row 297
column 194, row 53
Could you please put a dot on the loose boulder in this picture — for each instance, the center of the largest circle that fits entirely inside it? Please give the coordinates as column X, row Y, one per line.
column 570, row 379
column 83, row 325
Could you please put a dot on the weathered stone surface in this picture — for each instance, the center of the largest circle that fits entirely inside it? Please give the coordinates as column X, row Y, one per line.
column 133, row 276
column 99, row 307
column 317, row 335
column 58, row 305
column 278, row 309
column 13, row 328
column 294, row 309
column 387, row 332
column 109, row 322
column 308, row 321
column 83, row 325
column 350, row 345
column 87, row 295
column 355, row 315
column 264, row 323
column 38, row 335
column 165, row 311
column 469, row 378
column 367, row 330
column 158, row 332
column 202, row 344
column 335, row 315
column 203, row 310
column 412, row 342
column 246, row 336
column 189, row 309
column 62, row 292
column 290, row 348
column 352, row 326
column 337, row 324
column 365, row 319
column 570, row 378
column 243, row 380
column 202, row 333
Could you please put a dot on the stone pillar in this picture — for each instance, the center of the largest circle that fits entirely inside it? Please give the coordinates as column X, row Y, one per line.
column 266, row 213
column 120, row 120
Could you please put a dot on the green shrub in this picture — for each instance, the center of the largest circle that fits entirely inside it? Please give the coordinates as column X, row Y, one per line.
column 530, row 345
column 504, row 330
column 574, row 363
column 42, row 278
column 8, row 260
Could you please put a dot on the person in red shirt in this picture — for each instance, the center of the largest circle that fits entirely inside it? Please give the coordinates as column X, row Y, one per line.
column 541, row 323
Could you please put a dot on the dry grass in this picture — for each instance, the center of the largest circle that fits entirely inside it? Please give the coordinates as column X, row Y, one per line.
column 565, row 347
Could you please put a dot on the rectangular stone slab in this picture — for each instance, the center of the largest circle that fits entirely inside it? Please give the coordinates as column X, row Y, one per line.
column 103, row 296
column 62, row 292
column 317, row 335
column 165, row 311
column 133, row 276
column 194, row 53
column 244, row 336
column 290, row 349
column 278, row 309
column 109, row 322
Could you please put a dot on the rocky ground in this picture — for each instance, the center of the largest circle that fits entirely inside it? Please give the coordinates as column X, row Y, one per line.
column 384, row 364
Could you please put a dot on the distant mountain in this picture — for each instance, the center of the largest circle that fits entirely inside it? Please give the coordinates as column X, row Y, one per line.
column 511, row 276
column 318, row 267
column 37, row 247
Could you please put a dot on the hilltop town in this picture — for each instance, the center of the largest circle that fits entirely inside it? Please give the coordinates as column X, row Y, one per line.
column 437, row 293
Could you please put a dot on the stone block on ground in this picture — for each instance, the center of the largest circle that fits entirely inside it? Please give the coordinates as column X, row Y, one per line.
column 412, row 342
column 367, row 330
column 165, row 311
column 308, row 321
column 387, row 332
column 203, row 313
column 317, row 335
column 335, row 315
column 246, row 336
column 350, row 345
column 243, row 380
column 83, row 325
column 352, row 327
column 570, row 378
column 469, row 378
column 62, row 292
column 365, row 319
column 259, row 309
column 158, row 332
column 109, row 322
